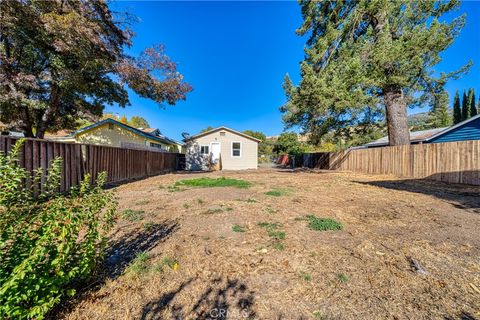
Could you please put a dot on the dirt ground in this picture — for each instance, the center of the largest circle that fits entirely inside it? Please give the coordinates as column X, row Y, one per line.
column 408, row 250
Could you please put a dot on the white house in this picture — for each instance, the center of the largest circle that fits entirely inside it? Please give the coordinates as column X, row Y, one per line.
column 221, row 149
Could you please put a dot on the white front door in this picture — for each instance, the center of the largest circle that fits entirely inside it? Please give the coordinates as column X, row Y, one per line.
column 215, row 150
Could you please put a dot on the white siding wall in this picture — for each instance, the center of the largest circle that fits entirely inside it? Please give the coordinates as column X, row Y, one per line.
column 247, row 160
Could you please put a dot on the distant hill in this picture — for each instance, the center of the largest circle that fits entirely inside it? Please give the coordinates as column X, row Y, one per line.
column 420, row 121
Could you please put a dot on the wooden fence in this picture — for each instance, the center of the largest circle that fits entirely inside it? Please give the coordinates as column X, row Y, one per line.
column 455, row 162
column 80, row 159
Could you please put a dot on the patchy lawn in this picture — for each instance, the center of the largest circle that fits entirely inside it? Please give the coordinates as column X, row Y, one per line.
column 290, row 245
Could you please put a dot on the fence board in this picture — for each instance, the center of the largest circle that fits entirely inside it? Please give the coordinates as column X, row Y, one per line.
column 79, row 159
column 454, row 162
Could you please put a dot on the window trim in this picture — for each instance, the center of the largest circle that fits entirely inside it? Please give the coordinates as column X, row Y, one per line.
column 156, row 145
column 240, row 149
column 205, row 146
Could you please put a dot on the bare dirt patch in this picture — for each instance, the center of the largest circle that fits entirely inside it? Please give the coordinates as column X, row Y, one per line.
column 406, row 250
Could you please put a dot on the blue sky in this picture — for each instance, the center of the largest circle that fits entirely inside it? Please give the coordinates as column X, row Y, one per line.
column 236, row 54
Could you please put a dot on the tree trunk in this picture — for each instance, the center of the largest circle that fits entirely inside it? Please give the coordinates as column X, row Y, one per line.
column 28, row 132
column 398, row 133
column 27, row 124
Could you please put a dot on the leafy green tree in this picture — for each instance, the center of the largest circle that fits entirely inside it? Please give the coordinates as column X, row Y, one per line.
column 471, row 100
column 64, row 60
column 207, row 129
column 364, row 58
column 139, row 122
column 110, row 116
column 287, row 143
column 457, row 109
column 256, row 134
column 465, row 107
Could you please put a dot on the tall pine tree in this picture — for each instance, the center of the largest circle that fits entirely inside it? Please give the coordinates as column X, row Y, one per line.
column 473, row 108
column 368, row 57
column 465, row 107
column 457, row 109
column 478, row 106
column 439, row 116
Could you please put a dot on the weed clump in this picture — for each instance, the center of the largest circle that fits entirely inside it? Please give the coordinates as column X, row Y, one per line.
column 343, row 278
column 323, row 224
column 132, row 215
column 238, row 228
column 211, row 183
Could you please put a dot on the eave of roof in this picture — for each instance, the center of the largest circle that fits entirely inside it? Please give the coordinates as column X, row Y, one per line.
column 222, row 128
column 415, row 136
column 127, row 127
column 453, row 127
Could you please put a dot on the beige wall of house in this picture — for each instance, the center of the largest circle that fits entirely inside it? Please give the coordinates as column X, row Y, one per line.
column 248, row 158
column 116, row 136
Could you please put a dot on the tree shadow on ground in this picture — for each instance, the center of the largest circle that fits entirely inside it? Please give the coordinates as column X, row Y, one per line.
column 122, row 251
column 301, row 170
column 222, row 299
column 462, row 316
column 460, row 196
column 119, row 254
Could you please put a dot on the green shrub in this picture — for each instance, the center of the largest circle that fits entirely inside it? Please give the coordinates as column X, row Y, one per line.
column 48, row 240
column 210, row 183
column 323, row 224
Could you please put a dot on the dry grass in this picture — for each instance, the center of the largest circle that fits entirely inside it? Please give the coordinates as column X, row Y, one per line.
column 279, row 267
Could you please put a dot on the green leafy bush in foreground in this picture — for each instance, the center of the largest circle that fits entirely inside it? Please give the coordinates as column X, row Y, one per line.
column 48, row 240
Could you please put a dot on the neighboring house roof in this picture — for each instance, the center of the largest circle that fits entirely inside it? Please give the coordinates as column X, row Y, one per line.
column 415, row 137
column 226, row 129
column 15, row 134
column 57, row 135
column 455, row 134
column 159, row 138
column 150, row 130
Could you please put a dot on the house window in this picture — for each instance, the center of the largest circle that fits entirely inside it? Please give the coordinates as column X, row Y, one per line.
column 222, row 133
column 236, row 149
column 156, row 145
column 110, row 126
column 204, row 150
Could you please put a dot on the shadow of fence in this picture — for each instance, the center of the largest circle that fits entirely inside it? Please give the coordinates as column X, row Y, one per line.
column 454, row 162
column 460, row 196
